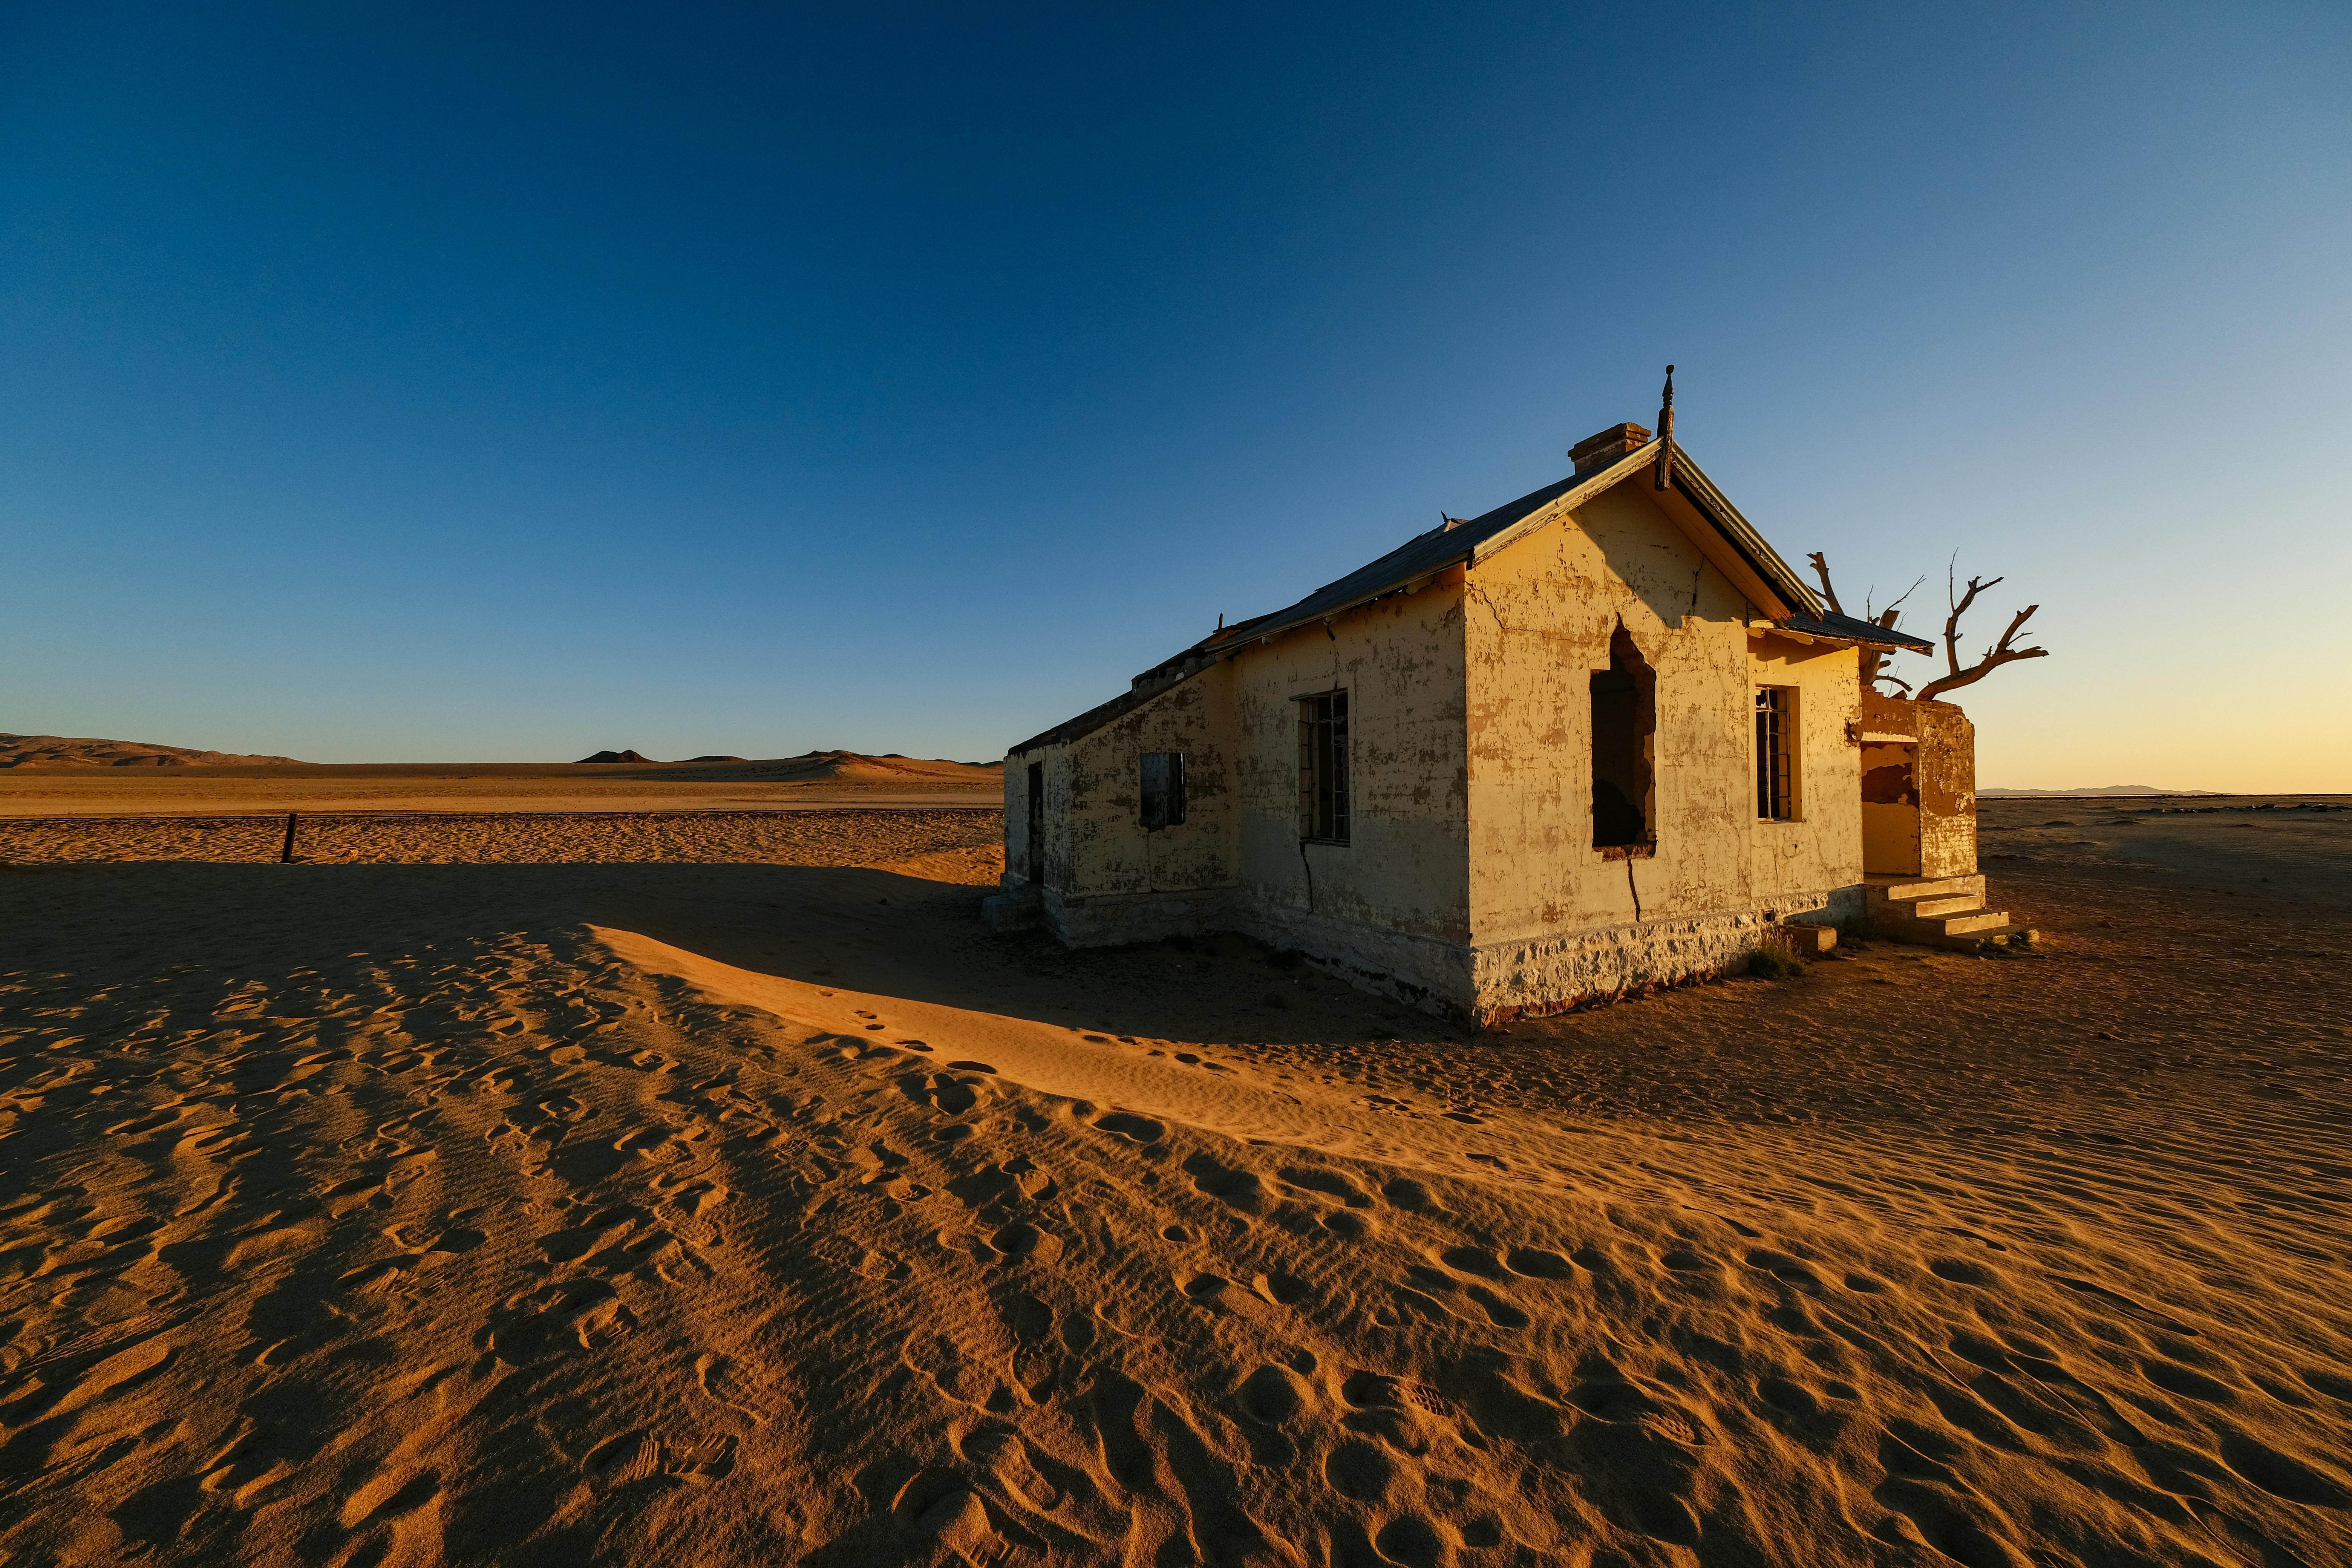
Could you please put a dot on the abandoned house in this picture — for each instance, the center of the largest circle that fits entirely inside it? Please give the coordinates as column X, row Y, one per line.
column 1601, row 738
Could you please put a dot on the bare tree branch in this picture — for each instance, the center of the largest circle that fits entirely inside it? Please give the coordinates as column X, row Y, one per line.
column 2004, row 651
column 1828, row 592
column 1881, row 618
column 1873, row 660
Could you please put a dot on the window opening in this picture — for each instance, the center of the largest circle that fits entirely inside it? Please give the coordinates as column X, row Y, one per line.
column 1163, row 790
column 1037, row 822
column 1323, row 767
column 1776, row 772
column 1624, row 718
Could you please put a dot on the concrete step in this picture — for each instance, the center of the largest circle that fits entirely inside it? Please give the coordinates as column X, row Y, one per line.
column 1958, row 904
column 2015, row 934
column 1901, row 926
column 1807, row 938
column 1910, row 890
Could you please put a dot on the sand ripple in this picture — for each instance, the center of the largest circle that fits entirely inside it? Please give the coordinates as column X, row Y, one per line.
column 554, row 1244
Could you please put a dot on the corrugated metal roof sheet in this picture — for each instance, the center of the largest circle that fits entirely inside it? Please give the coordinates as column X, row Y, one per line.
column 1845, row 628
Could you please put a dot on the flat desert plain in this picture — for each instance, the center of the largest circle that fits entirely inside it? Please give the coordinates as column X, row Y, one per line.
column 816, row 779
column 713, row 1189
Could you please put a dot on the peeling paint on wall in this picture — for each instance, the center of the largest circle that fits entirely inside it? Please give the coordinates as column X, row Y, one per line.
column 1943, row 757
column 1471, row 881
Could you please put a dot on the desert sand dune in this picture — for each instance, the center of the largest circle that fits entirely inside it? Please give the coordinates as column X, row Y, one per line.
column 381, row 1211
column 84, row 752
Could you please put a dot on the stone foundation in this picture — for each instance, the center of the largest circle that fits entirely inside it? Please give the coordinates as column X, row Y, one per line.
column 1553, row 974
column 1489, row 984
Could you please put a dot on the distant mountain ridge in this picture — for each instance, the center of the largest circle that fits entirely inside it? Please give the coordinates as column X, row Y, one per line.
column 82, row 752
column 2104, row 789
column 810, row 767
column 838, row 767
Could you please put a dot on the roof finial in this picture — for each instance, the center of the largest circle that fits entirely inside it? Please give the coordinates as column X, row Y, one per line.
column 1666, row 434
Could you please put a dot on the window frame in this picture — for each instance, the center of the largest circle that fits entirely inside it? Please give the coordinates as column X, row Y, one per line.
column 1165, row 793
column 1780, row 770
column 1326, row 773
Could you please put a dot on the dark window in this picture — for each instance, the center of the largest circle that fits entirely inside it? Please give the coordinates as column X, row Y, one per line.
column 1323, row 768
column 1037, row 804
column 1624, row 717
column 1163, row 789
column 1776, row 716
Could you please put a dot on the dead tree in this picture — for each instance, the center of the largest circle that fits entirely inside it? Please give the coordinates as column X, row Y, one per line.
column 2001, row 653
column 1873, row 660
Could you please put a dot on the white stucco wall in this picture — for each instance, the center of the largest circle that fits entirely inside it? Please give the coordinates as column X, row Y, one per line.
column 1555, row 919
column 1470, row 879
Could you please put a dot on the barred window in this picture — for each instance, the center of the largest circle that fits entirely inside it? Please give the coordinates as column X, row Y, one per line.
column 1776, row 771
column 1323, row 768
column 1163, row 790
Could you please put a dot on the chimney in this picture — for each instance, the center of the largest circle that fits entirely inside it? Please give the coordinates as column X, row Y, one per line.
column 1597, row 452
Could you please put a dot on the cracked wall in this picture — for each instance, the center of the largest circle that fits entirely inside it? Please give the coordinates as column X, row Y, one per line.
column 1556, row 918
column 1471, row 880
column 1387, row 907
column 1941, row 819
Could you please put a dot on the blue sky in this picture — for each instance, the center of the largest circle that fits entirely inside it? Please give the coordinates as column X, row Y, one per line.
column 473, row 383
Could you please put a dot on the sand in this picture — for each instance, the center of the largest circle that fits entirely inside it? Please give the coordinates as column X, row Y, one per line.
column 818, row 778
column 735, row 1198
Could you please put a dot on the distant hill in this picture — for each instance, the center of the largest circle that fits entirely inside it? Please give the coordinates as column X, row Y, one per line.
column 79, row 752
column 2104, row 789
column 841, row 767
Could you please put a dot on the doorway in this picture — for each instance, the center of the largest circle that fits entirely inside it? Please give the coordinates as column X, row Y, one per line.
column 1890, row 808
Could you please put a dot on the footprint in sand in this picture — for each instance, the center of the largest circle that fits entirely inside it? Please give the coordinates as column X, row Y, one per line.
column 1328, row 1183
column 699, row 1198
column 1784, row 1268
column 1960, row 1271
column 941, row 1091
column 1277, row 1396
column 1023, row 1240
column 1407, row 1193
column 1219, row 1294
column 1474, row 1260
column 1125, row 1124
column 1234, row 1185
column 1535, row 1263
column 558, row 1317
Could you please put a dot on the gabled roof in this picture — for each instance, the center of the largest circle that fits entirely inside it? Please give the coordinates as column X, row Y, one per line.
column 1728, row 539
